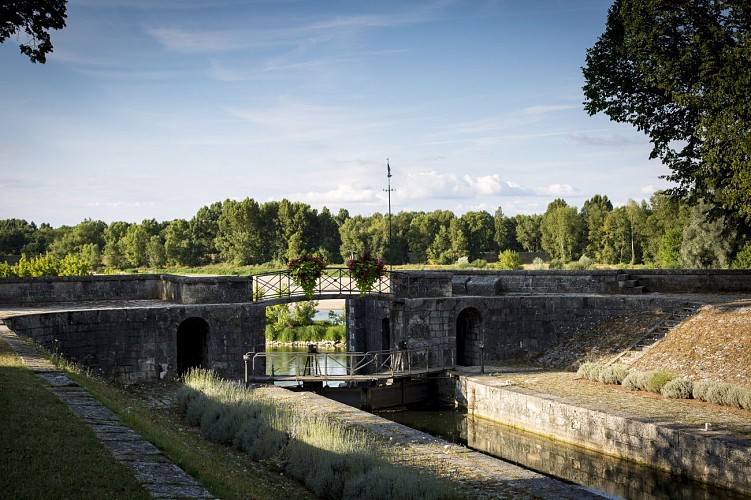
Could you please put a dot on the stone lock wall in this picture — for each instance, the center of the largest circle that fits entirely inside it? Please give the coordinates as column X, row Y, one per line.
column 166, row 287
column 137, row 344
column 712, row 459
column 512, row 327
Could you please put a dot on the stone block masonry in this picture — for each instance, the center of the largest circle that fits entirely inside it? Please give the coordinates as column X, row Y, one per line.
column 718, row 460
column 166, row 287
column 141, row 344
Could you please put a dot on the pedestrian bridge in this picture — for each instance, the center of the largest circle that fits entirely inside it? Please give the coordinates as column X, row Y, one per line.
column 335, row 283
column 373, row 366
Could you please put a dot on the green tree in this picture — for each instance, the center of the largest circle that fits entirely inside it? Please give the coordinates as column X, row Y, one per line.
column 479, row 232
column 706, row 242
column 204, row 227
column 239, row 239
column 616, row 237
column 32, row 21
column 155, row 252
column 439, row 252
column 743, row 257
column 15, row 234
column 528, row 232
column 681, row 73
column 70, row 241
column 135, row 244
column 669, row 251
column 178, row 248
column 329, row 239
column 560, row 229
column 354, row 235
column 500, row 233
column 593, row 214
column 664, row 230
column 303, row 312
column 39, row 241
column 90, row 254
column 423, row 229
column 113, row 254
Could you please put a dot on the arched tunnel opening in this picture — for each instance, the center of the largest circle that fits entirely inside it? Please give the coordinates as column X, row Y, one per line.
column 192, row 345
column 469, row 337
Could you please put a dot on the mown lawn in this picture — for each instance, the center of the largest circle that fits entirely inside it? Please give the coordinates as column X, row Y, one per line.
column 46, row 451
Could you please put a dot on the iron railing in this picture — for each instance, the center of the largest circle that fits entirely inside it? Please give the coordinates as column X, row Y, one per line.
column 347, row 366
column 335, row 281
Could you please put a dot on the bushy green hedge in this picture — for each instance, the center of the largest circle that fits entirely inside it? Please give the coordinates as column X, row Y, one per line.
column 45, row 265
column 332, row 460
column 310, row 333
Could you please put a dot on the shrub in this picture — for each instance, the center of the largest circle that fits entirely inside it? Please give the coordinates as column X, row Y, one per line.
column 745, row 398
column 584, row 263
column 700, row 389
column 509, row 260
column 538, row 264
column 589, row 371
column 479, row 263
column 195, row 409
column 612, row 374
column 718, row 393
column 656, row 380
column 636, row 381
column 331, row 460
column 678, row 388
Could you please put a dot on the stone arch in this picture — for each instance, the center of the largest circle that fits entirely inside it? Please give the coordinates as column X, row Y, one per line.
column 468, row 337
column 192, row 345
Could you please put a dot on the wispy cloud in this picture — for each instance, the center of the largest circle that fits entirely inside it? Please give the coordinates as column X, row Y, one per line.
column 602, row 139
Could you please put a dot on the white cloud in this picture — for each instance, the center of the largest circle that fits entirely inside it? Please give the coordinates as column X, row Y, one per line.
column 558, row 190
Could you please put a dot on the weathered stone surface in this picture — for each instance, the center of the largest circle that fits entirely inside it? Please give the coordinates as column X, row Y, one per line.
column 170, row 288
column 718, row 460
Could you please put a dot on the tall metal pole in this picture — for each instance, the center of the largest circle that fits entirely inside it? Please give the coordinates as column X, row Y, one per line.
column 388, row 177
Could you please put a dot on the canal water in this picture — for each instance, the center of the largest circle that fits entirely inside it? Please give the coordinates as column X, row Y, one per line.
column 612, row 477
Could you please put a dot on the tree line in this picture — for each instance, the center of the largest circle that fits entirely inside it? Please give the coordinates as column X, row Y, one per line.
column 664, row 232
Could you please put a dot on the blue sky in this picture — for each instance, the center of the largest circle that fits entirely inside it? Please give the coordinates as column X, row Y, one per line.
column 154, row 108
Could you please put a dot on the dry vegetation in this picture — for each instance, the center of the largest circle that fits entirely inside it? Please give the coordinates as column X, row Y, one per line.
column 713, row 344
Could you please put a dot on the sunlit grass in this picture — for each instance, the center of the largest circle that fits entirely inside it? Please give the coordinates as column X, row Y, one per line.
column 46, row 451
column 332, row 459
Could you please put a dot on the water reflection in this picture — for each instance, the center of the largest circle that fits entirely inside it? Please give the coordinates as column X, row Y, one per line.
column 611, row 476
column 291, row 360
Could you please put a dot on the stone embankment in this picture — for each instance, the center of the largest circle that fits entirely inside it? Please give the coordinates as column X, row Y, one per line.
column 703, row 442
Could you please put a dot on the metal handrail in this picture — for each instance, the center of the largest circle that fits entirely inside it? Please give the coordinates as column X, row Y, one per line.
column 334, row 281
column 371, row 364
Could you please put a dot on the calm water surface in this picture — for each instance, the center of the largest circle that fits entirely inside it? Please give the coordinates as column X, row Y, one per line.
column 613, row 477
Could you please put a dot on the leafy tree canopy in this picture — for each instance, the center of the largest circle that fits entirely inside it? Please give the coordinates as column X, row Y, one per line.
column 680, row 71
column 31, row 21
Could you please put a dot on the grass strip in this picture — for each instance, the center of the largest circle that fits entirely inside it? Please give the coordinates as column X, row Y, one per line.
column 46, row 451
column 227, row 474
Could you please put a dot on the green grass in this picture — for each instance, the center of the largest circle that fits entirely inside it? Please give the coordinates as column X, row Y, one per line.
column 225, row 473
column 46, row 451
column 333, row 459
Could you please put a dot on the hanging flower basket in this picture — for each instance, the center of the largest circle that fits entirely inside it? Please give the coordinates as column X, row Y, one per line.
column 365, row 271
column 305, row 272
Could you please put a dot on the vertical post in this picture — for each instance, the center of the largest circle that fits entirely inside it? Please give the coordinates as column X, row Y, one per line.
column 246, row 356
column 482, row 357
column 388, row 177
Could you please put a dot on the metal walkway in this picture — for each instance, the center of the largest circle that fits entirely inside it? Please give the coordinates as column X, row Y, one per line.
column 372, row 366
